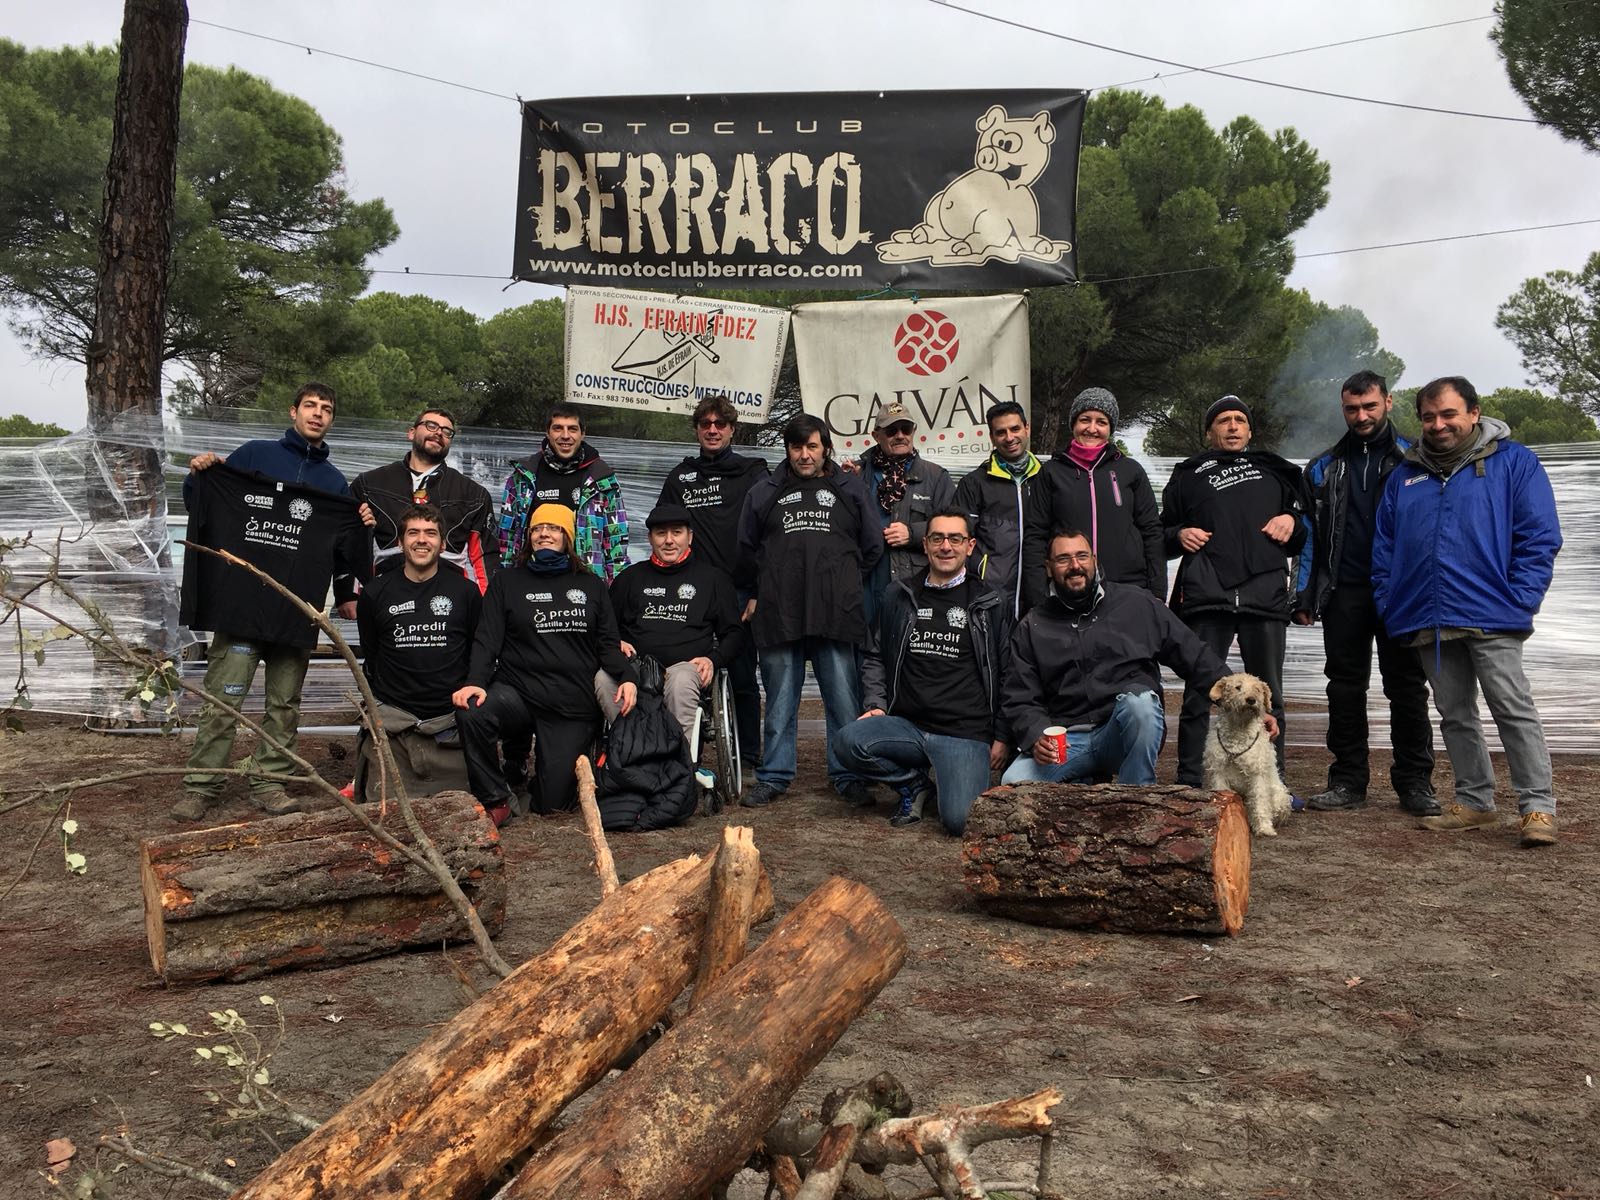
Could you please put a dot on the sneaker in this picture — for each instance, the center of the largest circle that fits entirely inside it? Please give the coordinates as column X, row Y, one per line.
column 859, row 793
column 759, row 795
column 1420, row 804
column 1538, row 829
column 192, row 807
column 913, row 799
column 1459, row 816
column 276, row 802
column 1336, row 799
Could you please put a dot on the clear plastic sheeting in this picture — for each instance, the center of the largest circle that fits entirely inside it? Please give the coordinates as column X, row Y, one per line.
column 47, row 487
column 89, row 533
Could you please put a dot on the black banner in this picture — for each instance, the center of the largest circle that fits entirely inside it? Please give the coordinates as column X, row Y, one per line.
column 851, row 190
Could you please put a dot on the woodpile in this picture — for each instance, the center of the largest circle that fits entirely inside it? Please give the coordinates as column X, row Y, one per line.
column 1137, row 859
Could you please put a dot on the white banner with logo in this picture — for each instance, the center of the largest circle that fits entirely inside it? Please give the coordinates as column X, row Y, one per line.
column 667, row 353
column 948, row 361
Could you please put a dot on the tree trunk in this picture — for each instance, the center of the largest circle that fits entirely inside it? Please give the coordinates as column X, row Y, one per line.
column 440, row 1122
column 1140, row 860
column 695, row 1106
column 312, row 889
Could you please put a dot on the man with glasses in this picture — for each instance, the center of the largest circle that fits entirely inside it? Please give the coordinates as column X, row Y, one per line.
column 908, row 489
column 1088, row 658
column 932, row 684
column 467, row 515
column 712, row 485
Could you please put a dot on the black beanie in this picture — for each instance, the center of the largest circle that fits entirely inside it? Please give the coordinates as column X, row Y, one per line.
column 1226, row 404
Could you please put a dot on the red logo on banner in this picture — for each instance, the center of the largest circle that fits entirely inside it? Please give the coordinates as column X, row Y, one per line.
column 926, row 342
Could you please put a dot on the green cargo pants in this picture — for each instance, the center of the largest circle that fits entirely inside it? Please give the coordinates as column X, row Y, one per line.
column 230, row 669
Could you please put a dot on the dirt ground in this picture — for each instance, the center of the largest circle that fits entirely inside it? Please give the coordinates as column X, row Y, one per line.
column 1405, row 1014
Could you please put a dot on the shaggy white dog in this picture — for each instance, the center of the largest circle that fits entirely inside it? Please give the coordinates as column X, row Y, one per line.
column 1239, row 754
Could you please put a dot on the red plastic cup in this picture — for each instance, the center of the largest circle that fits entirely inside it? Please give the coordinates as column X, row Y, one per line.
column 1058, row 733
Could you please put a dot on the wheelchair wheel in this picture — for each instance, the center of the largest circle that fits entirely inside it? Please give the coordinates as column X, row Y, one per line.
column 725, row 742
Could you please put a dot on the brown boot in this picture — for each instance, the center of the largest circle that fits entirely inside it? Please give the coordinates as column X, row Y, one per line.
column 276, row 802
column 1458, row 816
column 1538, row 829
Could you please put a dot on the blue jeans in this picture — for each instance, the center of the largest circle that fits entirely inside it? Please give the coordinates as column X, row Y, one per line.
column 783, row 670
column 1126, row 744
column 894, row 751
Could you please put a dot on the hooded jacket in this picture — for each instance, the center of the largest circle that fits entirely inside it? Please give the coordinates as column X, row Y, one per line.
column 1231, row 494
column 595, row 499
column 467, row 509
column 1475, row 550
column 988, row 631
column 997, row 502
column 646, row 781
column 1328, row 478
column 812, row 540
column 713, row 490
column 1114, row 504
column 928, row 489
column 1069, row 668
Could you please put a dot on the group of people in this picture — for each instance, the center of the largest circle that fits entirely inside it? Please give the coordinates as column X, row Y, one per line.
column 949, row 625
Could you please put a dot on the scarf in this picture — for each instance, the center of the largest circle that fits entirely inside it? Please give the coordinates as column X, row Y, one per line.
column 1446, row 463
column 549, row 562
column 1018, row 469
column 1084, row 602
column 1084, row 455
column 671, row 566
column 892, row 485
column 565, row 466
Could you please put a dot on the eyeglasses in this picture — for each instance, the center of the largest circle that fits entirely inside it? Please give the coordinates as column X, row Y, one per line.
column 546, row 527
column 444, row 431
column 946, row 539
column 899, row 429
column 713, row 423
column 1083, row 557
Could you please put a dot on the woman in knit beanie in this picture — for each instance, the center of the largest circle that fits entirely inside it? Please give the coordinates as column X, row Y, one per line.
column 1092, row 486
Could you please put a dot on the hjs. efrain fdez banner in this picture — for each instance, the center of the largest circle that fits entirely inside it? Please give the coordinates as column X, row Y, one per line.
column 969, row 190
column 948, row 361
column 667, row 353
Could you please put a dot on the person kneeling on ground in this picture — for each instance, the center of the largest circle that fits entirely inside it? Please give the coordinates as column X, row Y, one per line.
column 677, row 609
column 931, row 683
column 1088, row 658
column 546, row 627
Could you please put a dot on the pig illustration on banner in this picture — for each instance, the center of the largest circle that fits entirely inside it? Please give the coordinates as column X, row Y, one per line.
column 990, row 211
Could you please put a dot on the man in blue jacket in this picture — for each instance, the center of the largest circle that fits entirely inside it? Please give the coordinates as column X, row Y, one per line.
column 1462, row 555
column 1335, row 587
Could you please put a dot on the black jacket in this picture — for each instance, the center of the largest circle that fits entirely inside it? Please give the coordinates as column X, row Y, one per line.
column 988, row 630
column 809, row 581
column 1327, row 477
column 469, row 516
column 1069, row 668
column 1231, row 495
column 1114, row 504
column 997, row 503
column 713, row 490
column 647, row 781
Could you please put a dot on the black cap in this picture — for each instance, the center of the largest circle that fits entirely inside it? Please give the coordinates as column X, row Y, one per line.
column 1228, row 403
column 668, row 514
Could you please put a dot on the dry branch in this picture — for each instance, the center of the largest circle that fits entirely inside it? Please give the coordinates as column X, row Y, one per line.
column 604, row 865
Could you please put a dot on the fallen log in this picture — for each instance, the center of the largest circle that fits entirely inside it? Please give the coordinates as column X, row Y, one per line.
column 735, row 876
column 311, row 889
column 440, row 1122
column 698, row 1102
column 1137, row 859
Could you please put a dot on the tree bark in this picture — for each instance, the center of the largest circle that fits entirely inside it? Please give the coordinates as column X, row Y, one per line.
column 460, row 1106
column 1157, row 859
column 698, row 1102
column 311, row 889
column 734, row 877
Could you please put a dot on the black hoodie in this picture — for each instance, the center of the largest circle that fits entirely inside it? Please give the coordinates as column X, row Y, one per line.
column 713, row 490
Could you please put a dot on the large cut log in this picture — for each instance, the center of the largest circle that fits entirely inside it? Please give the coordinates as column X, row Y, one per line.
column 440, row 1122
column 1137, row 859
column 312, row 889
column 699, row 1100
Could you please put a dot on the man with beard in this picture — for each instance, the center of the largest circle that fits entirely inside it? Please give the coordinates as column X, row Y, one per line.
column 678, row 608
column 467, row 516
column 932, row 684
column 811, row 533
column 996, row 495
column 907, row 488
column 712, row 486
column 1088, row 658
column 1462, row 555
column 1237, row 516
column 567, row 471
column 1335, row 587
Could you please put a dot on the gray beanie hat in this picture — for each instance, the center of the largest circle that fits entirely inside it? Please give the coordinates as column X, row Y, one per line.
column 1098, row 399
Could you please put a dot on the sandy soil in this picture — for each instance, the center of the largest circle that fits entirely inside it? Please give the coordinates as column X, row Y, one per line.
column 1404, row 1015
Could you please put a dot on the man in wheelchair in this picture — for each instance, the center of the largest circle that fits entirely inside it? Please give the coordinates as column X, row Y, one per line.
column 678, row 609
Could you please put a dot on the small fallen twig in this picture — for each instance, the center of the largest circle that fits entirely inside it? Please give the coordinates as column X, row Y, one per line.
column 162, row 1164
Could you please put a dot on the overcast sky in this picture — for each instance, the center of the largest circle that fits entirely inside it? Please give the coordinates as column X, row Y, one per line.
column 445, row 159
